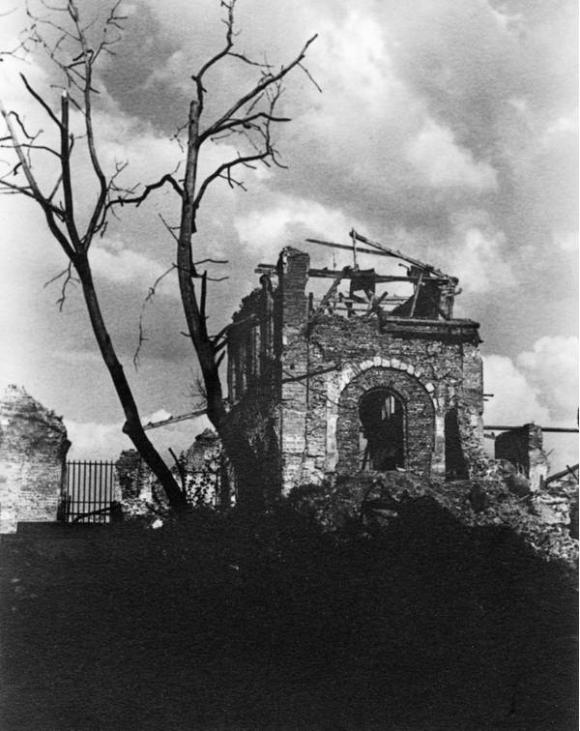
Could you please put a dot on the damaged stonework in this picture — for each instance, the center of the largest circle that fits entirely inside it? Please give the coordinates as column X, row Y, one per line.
column 524, row 448
column 202, row 471
column 341, row 383
column 553, row 499
column 33, row 448
column 136, row 484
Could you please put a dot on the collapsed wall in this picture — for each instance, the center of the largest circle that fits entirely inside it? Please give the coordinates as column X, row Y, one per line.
column 33, row 448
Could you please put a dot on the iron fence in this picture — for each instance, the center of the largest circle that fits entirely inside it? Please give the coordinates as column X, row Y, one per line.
column 89, row 493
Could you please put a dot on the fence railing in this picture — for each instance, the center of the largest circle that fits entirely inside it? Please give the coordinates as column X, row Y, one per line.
column 89, row 493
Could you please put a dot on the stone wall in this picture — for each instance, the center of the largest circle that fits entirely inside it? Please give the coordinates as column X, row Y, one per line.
column 523, row 447
column 419, row 426
column 320, row 367
column 435, row 366
column 205, row 473
column 33, row 448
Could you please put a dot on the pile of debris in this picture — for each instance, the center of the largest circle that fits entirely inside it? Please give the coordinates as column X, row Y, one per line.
column 374, row 501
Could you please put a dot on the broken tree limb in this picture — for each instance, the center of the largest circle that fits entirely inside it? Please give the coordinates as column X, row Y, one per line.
column 174, row 419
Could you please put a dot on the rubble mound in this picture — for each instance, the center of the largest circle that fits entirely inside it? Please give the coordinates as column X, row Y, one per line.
column 374, row 502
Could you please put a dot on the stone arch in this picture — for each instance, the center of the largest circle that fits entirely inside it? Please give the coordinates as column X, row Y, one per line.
column 343, row 426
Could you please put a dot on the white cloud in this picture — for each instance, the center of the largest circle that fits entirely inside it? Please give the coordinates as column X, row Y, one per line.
column 444, row 164
column 479, row 262
column 290, row 219
column 541, row 387
column 515, row 400
column 356, row 54
column 91, row 440
column 567, row 241
column 552, row 367
column 123, row 266
column 94, row 440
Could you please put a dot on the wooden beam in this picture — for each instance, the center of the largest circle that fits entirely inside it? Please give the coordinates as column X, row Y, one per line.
column 557, row 475
column 347, row 248
column 399, row 255
column 553, row 429
column 416, row 295
column 332, row 273
column 174, row 419
column 324, row 301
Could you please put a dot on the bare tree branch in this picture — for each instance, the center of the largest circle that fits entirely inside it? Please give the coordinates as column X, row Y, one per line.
column 150, row 295
column 211, row 261
column 40, row 100
column 70, row 43
column 267, row 81
column 137, row 200
column 35, row 191
column 66, row 176
column 69, row 278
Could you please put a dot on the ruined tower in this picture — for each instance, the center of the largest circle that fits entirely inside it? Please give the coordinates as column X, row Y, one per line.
column 354, row 378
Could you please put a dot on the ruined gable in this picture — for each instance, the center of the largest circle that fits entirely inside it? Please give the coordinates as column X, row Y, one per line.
column 33, row 448
column 353, row 378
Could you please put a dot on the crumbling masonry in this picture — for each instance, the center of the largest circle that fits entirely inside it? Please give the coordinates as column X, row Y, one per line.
column 343, row 383
column 33, row 448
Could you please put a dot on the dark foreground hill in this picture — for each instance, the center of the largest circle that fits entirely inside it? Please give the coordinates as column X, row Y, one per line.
column 421, row 623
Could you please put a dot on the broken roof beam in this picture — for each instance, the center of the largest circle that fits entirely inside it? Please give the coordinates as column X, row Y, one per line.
column 379, row 278
column 395, row 253
column 332, row 273
column 326, row 299
column 347, row 248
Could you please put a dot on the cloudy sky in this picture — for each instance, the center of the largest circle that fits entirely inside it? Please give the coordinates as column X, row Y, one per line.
column 445, row 128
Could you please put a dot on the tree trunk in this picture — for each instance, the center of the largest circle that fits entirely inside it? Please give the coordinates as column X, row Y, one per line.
column 237, row 447
column 132, row 427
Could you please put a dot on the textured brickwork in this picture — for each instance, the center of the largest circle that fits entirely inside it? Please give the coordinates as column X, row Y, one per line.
column 307, row 394
column 33, row 448
column 419, row 424
column 523, row 447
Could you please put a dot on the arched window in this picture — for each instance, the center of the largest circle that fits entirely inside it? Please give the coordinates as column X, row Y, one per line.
column 382, row 437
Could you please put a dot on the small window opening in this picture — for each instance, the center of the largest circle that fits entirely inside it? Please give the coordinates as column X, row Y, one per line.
column 455, row 465
column 382, row 440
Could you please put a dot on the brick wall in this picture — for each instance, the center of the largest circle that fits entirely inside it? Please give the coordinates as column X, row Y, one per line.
column 33, row 448
column 419, row 421
column 309, row 398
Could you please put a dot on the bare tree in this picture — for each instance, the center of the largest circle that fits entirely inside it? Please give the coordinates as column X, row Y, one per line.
column 69, row 42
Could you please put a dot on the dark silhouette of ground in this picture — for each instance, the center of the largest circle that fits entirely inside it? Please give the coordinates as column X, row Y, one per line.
column 222, row 623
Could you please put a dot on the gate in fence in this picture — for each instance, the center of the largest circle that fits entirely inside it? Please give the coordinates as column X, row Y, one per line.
column 89, row 493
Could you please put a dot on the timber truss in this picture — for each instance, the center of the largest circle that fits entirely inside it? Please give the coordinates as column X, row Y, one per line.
column 431, row 296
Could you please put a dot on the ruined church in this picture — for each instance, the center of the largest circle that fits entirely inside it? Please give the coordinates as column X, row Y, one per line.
column 330, row 372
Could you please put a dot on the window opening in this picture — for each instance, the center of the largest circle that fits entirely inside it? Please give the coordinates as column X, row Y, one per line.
column 382, row 436
column 455, row 465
